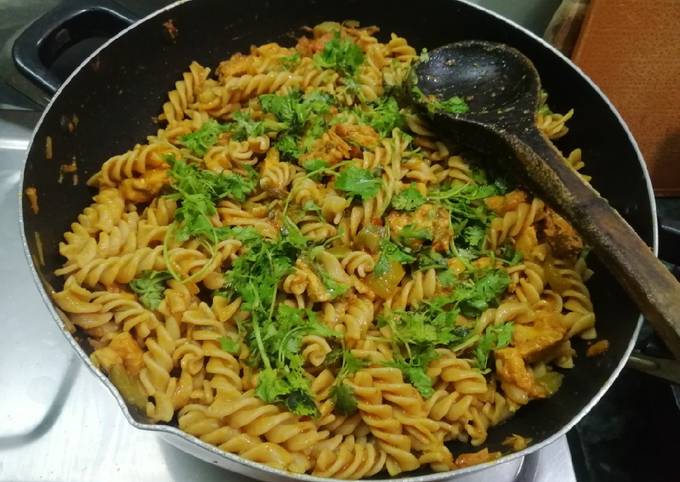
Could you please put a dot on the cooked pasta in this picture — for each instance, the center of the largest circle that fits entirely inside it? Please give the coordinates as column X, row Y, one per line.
column 296, row 269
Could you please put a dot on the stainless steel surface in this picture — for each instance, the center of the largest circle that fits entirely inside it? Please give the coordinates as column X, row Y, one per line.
column 59, row 423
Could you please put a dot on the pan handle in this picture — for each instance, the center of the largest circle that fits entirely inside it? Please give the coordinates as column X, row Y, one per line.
column 50, row 48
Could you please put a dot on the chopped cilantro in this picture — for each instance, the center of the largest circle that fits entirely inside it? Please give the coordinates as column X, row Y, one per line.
column 409, row 199
column 299, row 117
column 411, row 232
column 290, row 61
column 481, row 291
column 204, row 138
column 509, row 254
column 314, row 166
column 474, row 235
column 229, row 345
column 335, row 288
column 494, row 337
column 149, row 287
column 418, row 333
column 274, row 335
column 454, row 105
column 342, row 395
column 340, row 54
column 431, row 259
column 243, row 126
column 344, row 401
column 358, row 182
column 282, row 337
column 390, row 252
column 383, row 115
column 198, row 190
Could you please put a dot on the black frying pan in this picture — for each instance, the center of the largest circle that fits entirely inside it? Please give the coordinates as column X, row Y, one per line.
column 118, row 91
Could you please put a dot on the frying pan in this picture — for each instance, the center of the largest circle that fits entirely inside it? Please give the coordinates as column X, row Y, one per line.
column 118, row 90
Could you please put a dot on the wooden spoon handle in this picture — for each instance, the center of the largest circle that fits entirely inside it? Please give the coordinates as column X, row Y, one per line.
column 652, row 287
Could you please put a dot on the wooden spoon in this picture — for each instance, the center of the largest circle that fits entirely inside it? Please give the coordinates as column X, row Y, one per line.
column 500, row 87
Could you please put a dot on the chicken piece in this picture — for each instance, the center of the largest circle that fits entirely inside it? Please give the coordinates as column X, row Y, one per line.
column 533, row 340
column 560, row 236
column 428, row 222
column 511, row 368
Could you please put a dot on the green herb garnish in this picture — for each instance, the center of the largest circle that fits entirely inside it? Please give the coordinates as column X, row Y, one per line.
column 204, row 138
column 229, row 345
column 383, row 115
column 342, row 395
column 389, row 253
column 197, row 190
column 149, row 287
column 358, row 182
column 409, row 199
column 494, row 338
column 340, row 54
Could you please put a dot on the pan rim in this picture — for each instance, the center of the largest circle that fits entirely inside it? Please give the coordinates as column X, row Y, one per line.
column 251, row 468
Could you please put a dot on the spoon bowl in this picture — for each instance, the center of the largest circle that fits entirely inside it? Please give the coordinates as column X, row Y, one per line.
column 485, row 94
column 499, row 85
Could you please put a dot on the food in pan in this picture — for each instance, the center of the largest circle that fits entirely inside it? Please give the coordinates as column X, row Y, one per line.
column 297, row 270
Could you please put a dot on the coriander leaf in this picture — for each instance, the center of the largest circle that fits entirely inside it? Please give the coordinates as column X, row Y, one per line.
column 344, row 401
column 290, row 61
column 431, row 259
column 390, row 252
column 483, row 290
column 351, row 364
column 504, row 334
column 414, row 369
column 413, row 232
column 315, row 168
column 243, row 126
column 270, row 388
column 288, row 146
column 204, row 138
column 335, row 288
column 474, row 235
column 494, row 338
column 299, row 117
column 409, row 199
column 448, row 278
column 198, row 189
column 295, row 109
column 301, row 402
column 229, row 345
column 149, row 286
column 358, row 182
column 293, row 233
column 454, row 105
column 417, row 377
column 510, row 255
column 340, row 54
column 383, row 115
